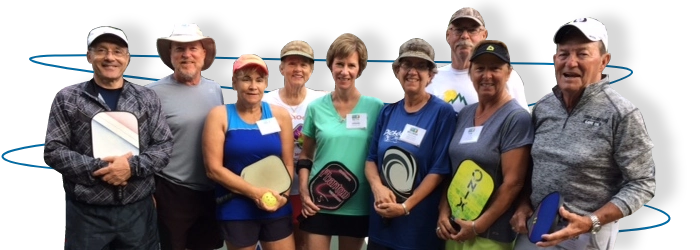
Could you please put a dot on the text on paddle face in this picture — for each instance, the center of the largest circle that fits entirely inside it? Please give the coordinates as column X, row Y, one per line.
column 477, row 175
column 337, row 187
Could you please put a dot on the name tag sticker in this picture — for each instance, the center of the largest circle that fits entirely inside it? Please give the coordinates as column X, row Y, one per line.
column 470, row 135
column 268, row 126
column 356, row 121
column 412, row 134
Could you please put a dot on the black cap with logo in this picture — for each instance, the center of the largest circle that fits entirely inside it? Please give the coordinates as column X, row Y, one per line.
column 493, row 48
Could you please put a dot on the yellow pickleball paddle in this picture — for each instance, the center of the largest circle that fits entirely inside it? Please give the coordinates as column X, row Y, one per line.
column 469, row 191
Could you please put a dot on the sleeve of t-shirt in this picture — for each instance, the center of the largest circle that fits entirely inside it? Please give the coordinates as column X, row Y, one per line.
column 518, row 132
column 375, row 111
column 377, row 133
column 516, row 88
column 221, row 96
column 444, row 130
column 309, row 128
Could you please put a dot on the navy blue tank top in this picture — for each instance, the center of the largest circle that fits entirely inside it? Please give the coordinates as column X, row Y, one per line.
column 245, row 145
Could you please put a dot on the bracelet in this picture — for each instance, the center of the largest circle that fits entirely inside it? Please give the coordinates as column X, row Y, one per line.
column 405, row 210
column 285, row 196
column 474, row 228
column 305, row 163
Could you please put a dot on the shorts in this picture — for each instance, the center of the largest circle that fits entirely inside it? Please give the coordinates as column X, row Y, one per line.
column 295, row 200
column 340, row 225
column 131, row 226
column 245, row 233
column 186, row 217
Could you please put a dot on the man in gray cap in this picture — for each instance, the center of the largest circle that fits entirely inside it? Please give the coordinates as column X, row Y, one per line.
column 184, row 195
column 108, row 198
column 452, row 84
column 601, row 163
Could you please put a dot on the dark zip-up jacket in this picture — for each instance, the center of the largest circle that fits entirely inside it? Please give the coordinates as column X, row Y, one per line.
column 68, row 145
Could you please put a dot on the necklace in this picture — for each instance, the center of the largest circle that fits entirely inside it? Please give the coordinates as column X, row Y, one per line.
column 293, row 108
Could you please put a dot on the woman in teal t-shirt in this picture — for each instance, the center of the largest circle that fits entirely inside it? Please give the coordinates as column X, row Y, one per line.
column 336, row 135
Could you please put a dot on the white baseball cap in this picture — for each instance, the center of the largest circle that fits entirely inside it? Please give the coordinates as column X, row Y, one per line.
column 591, row 28
column 106, row 30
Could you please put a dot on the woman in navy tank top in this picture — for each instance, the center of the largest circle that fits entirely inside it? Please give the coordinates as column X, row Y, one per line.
column 237, row 135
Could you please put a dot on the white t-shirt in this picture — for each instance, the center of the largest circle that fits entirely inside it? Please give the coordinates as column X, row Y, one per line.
column 456, row 88
column 298, row 114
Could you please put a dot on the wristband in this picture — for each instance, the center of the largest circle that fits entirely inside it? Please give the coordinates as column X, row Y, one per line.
column 305, row 163
column 474, row 228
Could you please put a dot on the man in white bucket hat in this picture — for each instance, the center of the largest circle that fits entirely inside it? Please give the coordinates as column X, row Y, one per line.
column 184, row 195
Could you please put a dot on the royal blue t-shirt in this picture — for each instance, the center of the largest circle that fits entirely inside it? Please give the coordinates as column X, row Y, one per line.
column 245, row 145
column 438, row 119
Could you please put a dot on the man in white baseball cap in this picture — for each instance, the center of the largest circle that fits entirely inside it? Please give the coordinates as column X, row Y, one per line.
column 591, row 28
column 184, row 195
column 608, row 170
column 108, row 199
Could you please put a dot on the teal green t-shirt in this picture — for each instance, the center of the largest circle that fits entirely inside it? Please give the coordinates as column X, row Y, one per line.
column 335, row 142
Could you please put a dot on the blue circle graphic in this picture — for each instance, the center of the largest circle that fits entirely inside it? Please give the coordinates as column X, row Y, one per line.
column 32, row 59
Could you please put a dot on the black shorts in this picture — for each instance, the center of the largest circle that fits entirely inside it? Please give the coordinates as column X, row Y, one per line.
column 340, row 225
column 186, row 217
column 245, row 233
column 131, row 226
column 371, row 245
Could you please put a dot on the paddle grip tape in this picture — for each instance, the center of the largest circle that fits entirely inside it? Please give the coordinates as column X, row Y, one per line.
column 305, row 163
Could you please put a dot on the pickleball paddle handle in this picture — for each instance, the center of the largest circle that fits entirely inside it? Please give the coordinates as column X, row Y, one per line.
column 225, row 198
column 455, row 225
column 120, row 193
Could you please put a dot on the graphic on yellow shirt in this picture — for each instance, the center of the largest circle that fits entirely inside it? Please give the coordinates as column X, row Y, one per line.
column 451, row 96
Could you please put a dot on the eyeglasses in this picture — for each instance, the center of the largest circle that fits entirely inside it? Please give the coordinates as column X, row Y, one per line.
column 420, row 66
column 103, row 52
column 470, row 30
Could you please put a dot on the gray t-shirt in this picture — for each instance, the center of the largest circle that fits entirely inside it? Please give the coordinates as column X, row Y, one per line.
column 186, row 108
column 486, row 151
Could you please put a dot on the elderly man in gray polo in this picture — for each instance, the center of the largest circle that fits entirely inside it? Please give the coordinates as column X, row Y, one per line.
column 591, row 146
column 184, row 195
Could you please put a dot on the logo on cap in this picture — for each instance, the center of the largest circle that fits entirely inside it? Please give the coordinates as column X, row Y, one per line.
column 580, row 20
column 489, row 48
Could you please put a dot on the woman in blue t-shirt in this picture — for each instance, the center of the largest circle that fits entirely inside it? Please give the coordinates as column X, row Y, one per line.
column 408, row 158
column 236, row 136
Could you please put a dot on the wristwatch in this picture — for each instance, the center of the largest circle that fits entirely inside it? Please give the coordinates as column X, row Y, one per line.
column 596, row 224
